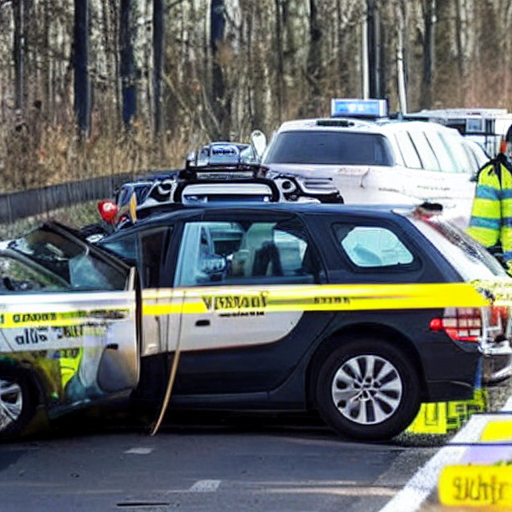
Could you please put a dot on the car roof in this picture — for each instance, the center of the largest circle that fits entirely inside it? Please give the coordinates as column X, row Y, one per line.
column 379, row 126
column 307, row 209
column 329, row 124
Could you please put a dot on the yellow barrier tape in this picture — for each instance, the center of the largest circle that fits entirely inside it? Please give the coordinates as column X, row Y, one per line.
column 272, row 299
column 497, row 431
column 58, row 318
column 476, row 486
column 321, row 298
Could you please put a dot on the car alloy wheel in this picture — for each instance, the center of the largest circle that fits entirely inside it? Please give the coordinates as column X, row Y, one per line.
column 16, row 403
column 367, row 389
column 11, row 403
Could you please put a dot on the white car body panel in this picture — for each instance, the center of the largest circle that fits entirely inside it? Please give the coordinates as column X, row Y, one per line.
column 449, row 184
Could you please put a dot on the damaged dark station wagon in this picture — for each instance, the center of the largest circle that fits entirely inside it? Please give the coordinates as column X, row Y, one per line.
column 358, row 313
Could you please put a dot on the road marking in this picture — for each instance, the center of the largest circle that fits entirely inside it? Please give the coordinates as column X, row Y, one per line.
column 205, row 486
column 423, row 483
column 139, row 451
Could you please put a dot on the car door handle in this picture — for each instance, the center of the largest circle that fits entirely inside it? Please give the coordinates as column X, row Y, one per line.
column 202, row 323
column 112, row 346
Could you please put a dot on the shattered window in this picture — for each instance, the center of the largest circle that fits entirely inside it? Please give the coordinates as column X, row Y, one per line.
column 50, row 257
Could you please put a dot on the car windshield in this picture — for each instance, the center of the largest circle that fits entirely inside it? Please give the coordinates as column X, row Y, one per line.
column 71, row 263
column 467, row 256
column 329, row 148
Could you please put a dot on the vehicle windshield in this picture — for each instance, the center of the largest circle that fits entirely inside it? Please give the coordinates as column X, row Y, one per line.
column 329, row 148
column 467, row 256
column 70, row 263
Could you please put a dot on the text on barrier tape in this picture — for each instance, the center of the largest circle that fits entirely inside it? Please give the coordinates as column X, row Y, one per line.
column 476, row 486
column 57, row 318
column 320, row 298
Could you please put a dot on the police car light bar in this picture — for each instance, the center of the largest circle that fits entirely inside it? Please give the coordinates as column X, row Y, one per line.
column 359, row 108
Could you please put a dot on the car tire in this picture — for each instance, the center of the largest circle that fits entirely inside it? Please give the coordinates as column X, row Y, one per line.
column 367, row 389
column 16, row 404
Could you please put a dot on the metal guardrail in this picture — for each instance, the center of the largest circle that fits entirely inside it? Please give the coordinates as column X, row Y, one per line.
column 28, row 203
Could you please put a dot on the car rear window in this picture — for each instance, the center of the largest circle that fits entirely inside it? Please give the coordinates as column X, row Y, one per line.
column 467, row 256
column 329, row 148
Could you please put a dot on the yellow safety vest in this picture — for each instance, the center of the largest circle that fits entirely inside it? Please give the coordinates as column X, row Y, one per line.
column 491, row 215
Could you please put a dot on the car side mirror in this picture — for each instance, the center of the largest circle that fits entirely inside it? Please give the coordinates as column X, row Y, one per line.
column 190, row 160
column 474, row 178
column 259, row 143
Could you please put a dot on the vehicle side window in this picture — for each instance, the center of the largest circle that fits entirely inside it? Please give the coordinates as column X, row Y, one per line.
column 447, row 164
column 152, row 244
column 428, row 157
column 144, row 249
column 408, row 151
column 124, row 247
column 15, row 276
column 372, row 246
column 459, row 156
column 223, row 253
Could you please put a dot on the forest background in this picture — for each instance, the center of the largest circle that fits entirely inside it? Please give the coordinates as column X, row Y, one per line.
column 99, row 87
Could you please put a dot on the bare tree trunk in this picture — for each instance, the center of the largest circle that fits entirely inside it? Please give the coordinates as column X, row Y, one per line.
column 217, row 28
column 373, row 49
column 19, row 55
column 128, row 72
column 401, row 73
column 314, row 65
column 429, row 17
column 280, row 60
column 158, row 62
column 81, row 64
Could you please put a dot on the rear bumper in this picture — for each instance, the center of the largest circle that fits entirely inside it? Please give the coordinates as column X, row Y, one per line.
column 496, row 369
column 443, row 391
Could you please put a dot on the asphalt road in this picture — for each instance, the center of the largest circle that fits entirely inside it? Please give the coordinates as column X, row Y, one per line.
column 217, row 463
column 209, row 464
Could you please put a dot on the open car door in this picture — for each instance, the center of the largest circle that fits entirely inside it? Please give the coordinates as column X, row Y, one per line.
column 69, row 325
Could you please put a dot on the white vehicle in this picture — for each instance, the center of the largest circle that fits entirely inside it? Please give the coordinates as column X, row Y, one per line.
column 485, row 126
column 380, row 161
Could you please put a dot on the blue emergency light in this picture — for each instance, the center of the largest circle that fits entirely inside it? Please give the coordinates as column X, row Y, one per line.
column 368, row 109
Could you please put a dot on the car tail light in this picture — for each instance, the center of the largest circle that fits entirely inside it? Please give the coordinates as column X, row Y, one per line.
column 461, row 324
column 108, row 210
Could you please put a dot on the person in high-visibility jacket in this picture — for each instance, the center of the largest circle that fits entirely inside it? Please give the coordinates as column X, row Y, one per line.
column 491, row 214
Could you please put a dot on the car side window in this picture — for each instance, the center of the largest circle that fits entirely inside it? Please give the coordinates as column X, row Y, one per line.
column 144, row 249
column 16, row 276
column 427, row 155
column 372, row 246
column 408, row 151
column 459, row 156
column 446, row 161
column 223, row 253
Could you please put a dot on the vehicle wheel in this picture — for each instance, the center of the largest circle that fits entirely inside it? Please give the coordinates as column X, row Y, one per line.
column 367, row 389
column 93, row 232
column 16, row 405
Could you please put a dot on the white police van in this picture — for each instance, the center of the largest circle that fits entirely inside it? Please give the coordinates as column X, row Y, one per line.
column 371, row 158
